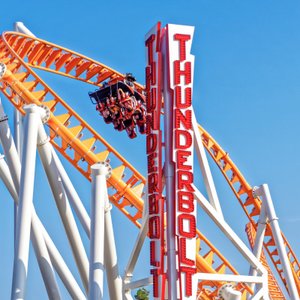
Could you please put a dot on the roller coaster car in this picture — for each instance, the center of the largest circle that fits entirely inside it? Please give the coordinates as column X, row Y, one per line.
column 119, row 103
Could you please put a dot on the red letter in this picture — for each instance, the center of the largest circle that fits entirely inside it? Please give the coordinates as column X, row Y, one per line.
column 191, row 233
column 151, row 103
column 153, row 260
column 188, row 279
column 154, row 272
column 184, row 142
column 154, row 226
column 187, row 97
column 151, row 142
column 152, row 166
column 186, row 72
column 184, row 120
column 182, row 38
column 183, row 258
column 185, row 201
column 185, row 180
column 181, row 158
column 153, row 201
column 149, row 45
column 152, row 183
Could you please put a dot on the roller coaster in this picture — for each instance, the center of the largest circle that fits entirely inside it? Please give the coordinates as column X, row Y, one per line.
column 45, row 112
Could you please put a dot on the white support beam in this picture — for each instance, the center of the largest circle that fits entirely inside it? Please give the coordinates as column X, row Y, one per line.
column 100, row 172
column 232, row 236
column 58, row 262
column 138, row 283
column 262, row 293
column 20, row 27
column 62, row 203
column 32, row 120
column 72, row 195
column 264, row 192
column 229, row 278
column 18, row 119
column 136, row 249
column 114, row 280
column 18, row 129
column 12, row 153
column 9, row 148
column 205, row 169
column 259, row 240
column 60, row 266
column 38, row 241
column 43, row 259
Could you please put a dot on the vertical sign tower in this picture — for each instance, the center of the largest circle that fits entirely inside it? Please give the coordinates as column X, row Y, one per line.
column 172, row 225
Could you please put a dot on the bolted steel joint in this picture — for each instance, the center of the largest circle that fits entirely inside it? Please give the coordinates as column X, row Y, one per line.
column 255, row 192
column 227, row 291
column 3, row 69
column 102, row 168
column 42, row 110
column 45, row 116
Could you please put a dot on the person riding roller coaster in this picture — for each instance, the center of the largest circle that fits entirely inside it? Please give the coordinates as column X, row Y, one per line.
column 119, row 103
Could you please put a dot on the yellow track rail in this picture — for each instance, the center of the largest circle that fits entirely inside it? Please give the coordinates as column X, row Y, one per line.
column 81, row 145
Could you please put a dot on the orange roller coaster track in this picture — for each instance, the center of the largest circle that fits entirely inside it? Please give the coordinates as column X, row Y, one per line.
column 82, row 146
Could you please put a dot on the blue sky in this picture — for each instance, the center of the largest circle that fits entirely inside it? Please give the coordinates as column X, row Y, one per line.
column 246, row 94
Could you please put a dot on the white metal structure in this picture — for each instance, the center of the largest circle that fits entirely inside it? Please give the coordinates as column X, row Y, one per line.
column 18, row 176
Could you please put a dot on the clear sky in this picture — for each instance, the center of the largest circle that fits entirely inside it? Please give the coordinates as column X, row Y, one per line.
column 246, row 94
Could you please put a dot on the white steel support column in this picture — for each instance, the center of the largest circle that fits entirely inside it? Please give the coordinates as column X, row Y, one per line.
column 114, row 279
column 136, row 249
column 5, row 173
column 205, row 169
column 18, row 123
column 135, row 253
column 237, row 242
column 73, row 195
column 25, row 202
column 226, row 229
column 264, row 192
column 9, row 148
column 36, row 226
column 12, row 154
column 19, row 27
column 45, row 152
column 99, row 200
column 18, row 130
column 259, row 240
column 59, row 264
column 38, row 241
column 44, row 261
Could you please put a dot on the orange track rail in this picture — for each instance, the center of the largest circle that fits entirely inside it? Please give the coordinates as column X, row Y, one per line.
column 251, row 205
column 274, row 289
column 81, row 145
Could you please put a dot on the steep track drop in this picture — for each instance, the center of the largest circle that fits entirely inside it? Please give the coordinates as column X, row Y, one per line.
column 82, row 146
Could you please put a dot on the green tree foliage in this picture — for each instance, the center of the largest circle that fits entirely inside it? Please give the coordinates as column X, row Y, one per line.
column 142, row 294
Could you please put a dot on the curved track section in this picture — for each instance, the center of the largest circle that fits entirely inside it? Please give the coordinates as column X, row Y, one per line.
column 82, row 146
column 251, row 205
column 274, row 288
column 77, row 141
